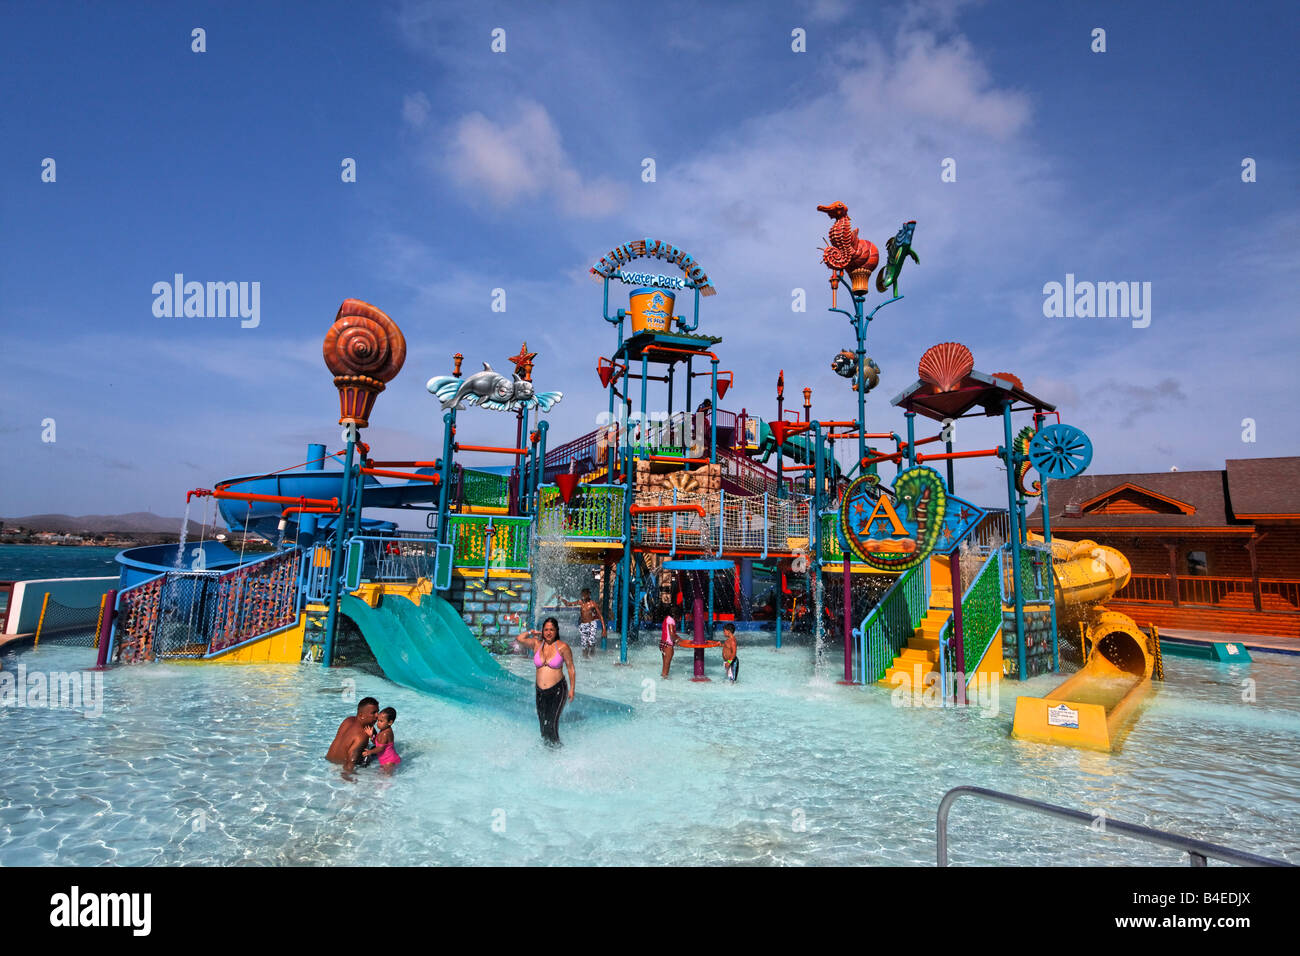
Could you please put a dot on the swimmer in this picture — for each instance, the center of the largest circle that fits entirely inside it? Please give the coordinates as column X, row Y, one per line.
column 352, row 734
column 550, row 656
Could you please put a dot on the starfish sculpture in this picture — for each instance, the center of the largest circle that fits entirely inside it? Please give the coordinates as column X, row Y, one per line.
column 524, row 362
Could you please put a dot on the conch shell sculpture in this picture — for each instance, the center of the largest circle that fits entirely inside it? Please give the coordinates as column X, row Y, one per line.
column 365, row 350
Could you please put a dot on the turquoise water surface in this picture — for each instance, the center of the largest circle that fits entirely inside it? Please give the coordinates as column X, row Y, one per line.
column 25, row 562
column 223, row 765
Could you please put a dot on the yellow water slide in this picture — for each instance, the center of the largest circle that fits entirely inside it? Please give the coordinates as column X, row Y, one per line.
column 1093, row 706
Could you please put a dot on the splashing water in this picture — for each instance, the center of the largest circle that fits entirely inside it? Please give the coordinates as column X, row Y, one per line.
column 185, row 531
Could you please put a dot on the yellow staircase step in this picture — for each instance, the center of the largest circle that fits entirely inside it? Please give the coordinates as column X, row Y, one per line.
column 924, row 643
column 916, row 654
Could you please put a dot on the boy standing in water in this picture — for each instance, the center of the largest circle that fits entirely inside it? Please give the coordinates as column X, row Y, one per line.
column 588, row 615
column 729, row 659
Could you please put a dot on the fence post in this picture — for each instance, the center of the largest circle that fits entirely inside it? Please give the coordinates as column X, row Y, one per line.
column 104, row 637
column 41, row 621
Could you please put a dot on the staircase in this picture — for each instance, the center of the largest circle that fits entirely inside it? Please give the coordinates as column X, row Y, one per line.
column 921, row 654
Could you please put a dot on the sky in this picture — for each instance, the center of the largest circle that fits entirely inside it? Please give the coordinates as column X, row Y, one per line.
column 480, row 170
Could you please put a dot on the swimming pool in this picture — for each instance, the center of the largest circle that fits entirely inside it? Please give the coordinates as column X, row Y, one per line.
column 222, row 765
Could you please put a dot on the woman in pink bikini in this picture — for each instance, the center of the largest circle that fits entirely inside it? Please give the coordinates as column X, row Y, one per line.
column 550, row 657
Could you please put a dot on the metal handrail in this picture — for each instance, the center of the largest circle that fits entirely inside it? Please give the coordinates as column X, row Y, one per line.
column 1198, row 850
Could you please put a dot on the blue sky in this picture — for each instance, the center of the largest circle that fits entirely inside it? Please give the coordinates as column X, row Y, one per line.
column 517, row 170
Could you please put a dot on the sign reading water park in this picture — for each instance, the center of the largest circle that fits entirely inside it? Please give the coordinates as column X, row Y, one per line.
column 896, row 535
column 610, row 266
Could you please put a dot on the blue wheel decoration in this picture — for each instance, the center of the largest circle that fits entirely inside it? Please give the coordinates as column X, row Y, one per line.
column 1060, row 451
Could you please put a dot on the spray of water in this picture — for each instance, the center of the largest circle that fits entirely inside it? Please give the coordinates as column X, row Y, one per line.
column 185, row 531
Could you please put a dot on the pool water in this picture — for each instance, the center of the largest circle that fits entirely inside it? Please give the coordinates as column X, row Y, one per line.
column 223, row 765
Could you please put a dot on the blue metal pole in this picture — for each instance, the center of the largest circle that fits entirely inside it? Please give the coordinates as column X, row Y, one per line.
column 1009, row 457
column 444, row 487
column 336, row 564
column 860, row 327
column 911, row 438
column 307, row 522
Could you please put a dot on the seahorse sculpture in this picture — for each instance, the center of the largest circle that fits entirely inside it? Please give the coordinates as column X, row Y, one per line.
column 919, row 497
column 898, row 248
column 920, row 491
column 1021, row 448
column 846, row 252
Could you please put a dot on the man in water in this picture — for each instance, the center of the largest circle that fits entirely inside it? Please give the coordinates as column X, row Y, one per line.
column 588, row 615
column 353, row 733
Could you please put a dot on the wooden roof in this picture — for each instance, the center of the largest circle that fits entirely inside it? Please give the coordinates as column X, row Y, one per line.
column 1264, row 487
column 1230, row 499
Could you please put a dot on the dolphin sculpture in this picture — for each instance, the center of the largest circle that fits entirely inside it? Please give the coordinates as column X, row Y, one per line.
column 490, row 389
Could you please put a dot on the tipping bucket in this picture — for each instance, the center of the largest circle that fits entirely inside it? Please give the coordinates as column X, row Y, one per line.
column 652, row 310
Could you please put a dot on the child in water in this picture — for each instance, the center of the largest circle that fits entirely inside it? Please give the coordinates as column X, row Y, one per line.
column 383, row 739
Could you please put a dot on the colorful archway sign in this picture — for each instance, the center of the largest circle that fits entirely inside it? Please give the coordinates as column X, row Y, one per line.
column 611, row 266
column 896, row 535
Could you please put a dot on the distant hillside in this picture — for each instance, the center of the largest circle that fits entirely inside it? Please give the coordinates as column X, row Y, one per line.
column 136, row 522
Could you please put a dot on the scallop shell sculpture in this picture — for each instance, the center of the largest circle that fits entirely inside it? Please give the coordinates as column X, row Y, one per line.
column 1013, row 379
column 364, row 349
column 945, row 365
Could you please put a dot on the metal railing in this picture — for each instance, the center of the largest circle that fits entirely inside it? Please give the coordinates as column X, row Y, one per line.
column 1036, row 579
column 761, row 524
column 595, row 513
column 993, row 531
column 1198, row 850
column 747, row 476
column 981, row 616
column 480, row 489
column 489, row 541
column 200, row 613
column 886, row 630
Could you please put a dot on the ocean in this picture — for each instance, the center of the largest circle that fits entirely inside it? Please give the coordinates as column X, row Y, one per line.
column 24, row 562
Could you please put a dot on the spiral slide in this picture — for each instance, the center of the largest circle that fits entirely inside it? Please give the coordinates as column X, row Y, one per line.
column 428, row 648
column 1095, row 705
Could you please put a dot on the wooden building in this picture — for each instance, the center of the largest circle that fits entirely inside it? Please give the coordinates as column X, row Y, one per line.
column 1210, row 550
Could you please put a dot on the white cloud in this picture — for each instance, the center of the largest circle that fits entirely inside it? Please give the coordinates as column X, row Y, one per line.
column 415, row 110
column 524, row 159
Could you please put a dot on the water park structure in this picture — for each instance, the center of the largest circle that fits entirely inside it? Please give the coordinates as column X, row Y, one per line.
column 695, row 509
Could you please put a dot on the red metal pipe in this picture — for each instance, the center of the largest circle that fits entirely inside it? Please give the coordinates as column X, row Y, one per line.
column 922, row 441
column 896, row 458
column 404, row 464
column 278, row 499
column 982, row 453
column 662, row 509
column 491, row 448
column 689, row 461
column 435, row 479
column 308, row 511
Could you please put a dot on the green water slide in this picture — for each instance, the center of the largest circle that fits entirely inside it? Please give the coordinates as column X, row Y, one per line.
column 799, row 448
column 430, row 649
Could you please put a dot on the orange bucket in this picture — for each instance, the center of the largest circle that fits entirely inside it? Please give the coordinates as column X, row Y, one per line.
column 652, row 310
